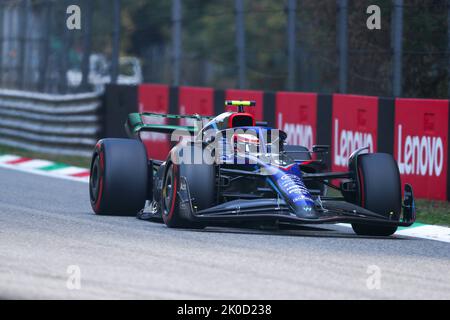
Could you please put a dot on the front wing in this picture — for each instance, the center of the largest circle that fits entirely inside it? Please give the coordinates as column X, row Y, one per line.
column 330, row 211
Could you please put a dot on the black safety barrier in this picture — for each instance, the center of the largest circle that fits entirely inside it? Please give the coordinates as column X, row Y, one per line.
column 173, row 104
column 219, row 98
column 118, row 102
column 269, row 111
column 324, row 121
column 386, row 122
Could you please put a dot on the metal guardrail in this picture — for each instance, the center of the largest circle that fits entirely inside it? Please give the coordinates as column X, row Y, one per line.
column 56, row 124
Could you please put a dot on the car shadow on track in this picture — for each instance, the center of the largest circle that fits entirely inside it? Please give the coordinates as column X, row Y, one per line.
column 296, row 231
column 326, row 231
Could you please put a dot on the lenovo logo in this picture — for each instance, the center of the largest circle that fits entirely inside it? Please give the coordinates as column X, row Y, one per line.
column 347, row 141
column 420, row 155
column 298, row 134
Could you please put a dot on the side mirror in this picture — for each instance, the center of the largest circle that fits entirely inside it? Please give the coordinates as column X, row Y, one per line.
column 321, row 149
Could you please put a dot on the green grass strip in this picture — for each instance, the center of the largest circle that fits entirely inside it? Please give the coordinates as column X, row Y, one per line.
column 53, row 167
column 415, row 225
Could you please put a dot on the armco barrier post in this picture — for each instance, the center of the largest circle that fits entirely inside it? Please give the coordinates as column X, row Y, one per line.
column 173, row 104
column 119, row 101
column 269, row 113
column 386, row 125
column 219, row 101
column 324, row 121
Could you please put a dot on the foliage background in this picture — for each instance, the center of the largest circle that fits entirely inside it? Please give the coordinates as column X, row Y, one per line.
column 209, row 50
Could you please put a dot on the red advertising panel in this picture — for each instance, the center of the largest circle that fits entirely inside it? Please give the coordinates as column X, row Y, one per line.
column 155, row 98
column 354, row 125
column 297, row 116
column 257, row 96
column 193, row 100
column 420, row 148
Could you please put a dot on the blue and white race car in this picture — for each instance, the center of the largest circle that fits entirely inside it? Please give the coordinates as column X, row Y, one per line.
column 231, row 170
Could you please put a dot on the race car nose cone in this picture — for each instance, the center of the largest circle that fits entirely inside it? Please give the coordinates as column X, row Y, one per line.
column 297, row 195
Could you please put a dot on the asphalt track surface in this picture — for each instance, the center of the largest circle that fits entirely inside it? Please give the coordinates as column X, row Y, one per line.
column 46, row 225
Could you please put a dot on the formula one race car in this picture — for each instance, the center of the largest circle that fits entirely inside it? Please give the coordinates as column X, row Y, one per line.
column 231, row 170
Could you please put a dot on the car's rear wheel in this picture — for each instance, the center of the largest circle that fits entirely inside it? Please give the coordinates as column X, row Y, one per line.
column 118, row 180
column 379, row 192
column 200, row 180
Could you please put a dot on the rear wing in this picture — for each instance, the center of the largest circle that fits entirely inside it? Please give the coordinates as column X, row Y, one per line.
column 240, row 104
column 135, row 123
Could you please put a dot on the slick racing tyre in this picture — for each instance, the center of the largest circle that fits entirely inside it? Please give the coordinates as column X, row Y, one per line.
column 380, row 192
column 200, row 179
column 118, row 180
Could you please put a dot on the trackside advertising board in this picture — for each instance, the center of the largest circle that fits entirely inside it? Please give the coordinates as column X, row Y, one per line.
column 257, row 96
column 416, row 131
column 194, row 100
column 297, row 115
column 420, row 148
column 354, row 125
column 155, row 98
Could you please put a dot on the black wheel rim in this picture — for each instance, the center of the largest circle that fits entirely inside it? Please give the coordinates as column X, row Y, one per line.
column 168, row 191
column 94, row 180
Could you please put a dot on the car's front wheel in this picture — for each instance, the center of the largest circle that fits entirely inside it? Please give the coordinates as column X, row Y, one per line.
column 379, row 192
column 200, row 183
